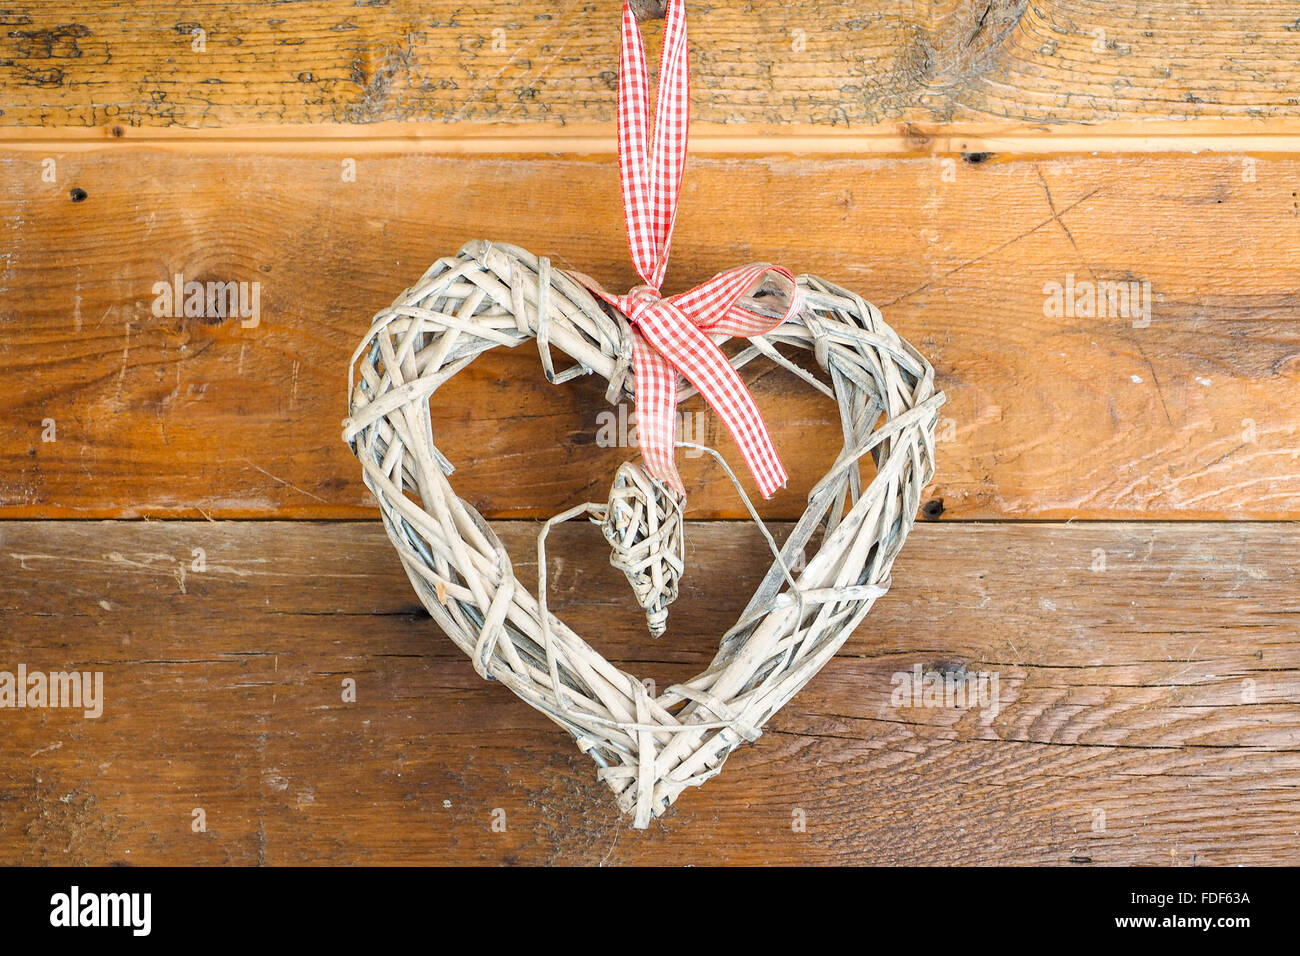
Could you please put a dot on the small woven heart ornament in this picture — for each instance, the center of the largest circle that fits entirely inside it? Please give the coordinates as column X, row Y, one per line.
column 643, row 524
column 654, row 350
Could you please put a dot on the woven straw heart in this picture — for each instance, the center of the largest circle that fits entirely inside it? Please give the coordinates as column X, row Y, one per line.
column 648, row 750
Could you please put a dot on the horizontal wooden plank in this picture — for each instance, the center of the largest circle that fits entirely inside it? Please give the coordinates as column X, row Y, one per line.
column 1148, row 678
column 1183, row 407
column 100, row 63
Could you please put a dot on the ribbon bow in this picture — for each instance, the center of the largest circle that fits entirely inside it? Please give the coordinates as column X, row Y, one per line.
column 671, row 334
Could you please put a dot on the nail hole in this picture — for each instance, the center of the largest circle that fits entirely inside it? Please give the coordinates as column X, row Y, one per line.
column 78, row 194
column 933, row 509
column 116, row 131
column 976, row 158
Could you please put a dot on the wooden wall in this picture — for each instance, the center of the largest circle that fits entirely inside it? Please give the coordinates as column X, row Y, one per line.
column 1118, row 492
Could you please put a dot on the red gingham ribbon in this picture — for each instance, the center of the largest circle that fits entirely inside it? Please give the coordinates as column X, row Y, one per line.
column 671, row 335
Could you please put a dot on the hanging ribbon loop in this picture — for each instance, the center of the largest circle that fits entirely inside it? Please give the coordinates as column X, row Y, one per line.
column 671, row 335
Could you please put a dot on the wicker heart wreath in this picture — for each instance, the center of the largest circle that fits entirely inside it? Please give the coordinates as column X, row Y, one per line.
column 647, row 748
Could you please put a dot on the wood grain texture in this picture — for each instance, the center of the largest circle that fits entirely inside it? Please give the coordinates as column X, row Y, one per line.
column 102, row 63
column 1189, row 411
column 1150, row 704
column 937, row 157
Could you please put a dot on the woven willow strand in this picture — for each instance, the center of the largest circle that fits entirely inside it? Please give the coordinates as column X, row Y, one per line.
column 648, row 749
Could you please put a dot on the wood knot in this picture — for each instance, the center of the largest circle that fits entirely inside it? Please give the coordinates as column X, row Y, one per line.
column 648, row 9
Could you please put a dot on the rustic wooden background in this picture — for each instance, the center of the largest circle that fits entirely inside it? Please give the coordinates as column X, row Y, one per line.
column 1112, row 521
